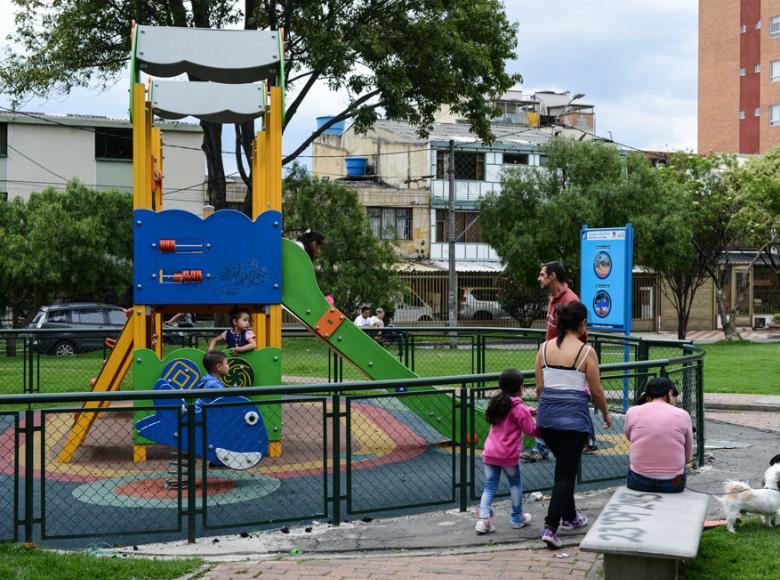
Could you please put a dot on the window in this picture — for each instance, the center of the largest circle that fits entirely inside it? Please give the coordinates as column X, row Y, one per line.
column 390, row 223
column 742, row 71
column 774, row 115
column 113, row 143
column 468, row 165
column 515, row 158
column 758, row 25
column 742, row 28
column 58, row 316
column 466, row 226
column 757, row 68
column 3, row 139
column 88, row 316
column 774, row 27
column 741, row 115
column 774, row 71
column 543, row 160
column 117, row 317
column 757, row 112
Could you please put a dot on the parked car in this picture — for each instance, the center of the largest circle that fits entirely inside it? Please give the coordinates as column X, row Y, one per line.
column 480, row 304
column 83, row 327
column 410, row 308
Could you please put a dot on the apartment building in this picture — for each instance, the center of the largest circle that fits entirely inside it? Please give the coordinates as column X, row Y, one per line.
column 42, row 150
column 402, row 181
column 739, row 76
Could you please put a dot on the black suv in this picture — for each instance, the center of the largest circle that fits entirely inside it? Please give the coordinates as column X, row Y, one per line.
column 83, row 327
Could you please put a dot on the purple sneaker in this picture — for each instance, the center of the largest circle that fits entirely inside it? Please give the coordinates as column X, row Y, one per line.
column 551, row 539
column 579, row 521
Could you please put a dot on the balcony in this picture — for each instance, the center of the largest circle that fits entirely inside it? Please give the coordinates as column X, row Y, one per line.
column 464, row 252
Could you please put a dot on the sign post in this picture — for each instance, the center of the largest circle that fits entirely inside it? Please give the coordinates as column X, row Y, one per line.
column 606, row 263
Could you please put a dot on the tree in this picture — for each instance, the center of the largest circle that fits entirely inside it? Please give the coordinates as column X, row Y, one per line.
column 523, row 303
column 759, row 215
column 73, row 245
column 407, row 58
column 354, row 266
column 538, row 214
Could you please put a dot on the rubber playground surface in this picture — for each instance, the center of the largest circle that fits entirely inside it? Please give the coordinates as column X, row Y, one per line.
column 398, row 461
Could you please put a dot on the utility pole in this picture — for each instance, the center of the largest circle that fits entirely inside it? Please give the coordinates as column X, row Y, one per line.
column 453, row 280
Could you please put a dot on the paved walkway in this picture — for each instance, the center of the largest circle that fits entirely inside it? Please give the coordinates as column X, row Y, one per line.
column 511, row 562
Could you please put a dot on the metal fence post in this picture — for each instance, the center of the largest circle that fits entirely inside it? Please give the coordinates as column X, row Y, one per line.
column 463, row 412
column 336, row 458
column 29, row 459
column 30, row 383
column 700, row 411
column 191, row 499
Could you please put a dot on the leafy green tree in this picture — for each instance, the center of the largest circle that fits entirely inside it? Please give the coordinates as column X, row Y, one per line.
column 538, row 214
column 523, row 303
column 354, row 266
column 405, row 57
column 758, row 185
column 71, row 245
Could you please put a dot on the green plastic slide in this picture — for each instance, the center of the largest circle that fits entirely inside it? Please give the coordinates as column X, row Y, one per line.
column 302, row 296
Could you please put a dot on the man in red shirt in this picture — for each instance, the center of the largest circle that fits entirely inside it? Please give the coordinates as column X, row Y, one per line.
column 552, row 277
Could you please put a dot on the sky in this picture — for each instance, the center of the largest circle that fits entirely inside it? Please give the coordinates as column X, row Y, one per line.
column 635, row 61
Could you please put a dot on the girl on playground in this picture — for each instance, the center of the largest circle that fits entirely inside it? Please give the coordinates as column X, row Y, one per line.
column 509, row 418
column 240, row 337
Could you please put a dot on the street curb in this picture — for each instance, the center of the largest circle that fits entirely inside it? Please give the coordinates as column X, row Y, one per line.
column 740, row 407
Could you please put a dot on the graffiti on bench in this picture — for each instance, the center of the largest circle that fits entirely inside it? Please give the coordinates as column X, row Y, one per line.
column 627, row 508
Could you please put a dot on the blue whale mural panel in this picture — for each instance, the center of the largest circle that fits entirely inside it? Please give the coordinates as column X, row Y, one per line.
column 237, row 436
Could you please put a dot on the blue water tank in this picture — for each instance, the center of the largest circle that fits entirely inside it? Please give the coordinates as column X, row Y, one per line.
column 335, row 129
column 356, row 166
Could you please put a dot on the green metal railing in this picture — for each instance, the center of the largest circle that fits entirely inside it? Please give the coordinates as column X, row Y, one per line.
column 349, row 447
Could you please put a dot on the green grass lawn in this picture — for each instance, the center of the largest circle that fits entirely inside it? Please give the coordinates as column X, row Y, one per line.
column 20, row 563
column 750, row 554
column 742, row 367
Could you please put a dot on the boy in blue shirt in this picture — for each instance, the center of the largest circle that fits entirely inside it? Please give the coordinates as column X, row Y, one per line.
column 217, row 367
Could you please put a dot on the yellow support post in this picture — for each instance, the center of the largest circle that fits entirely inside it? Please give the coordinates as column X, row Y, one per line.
column 157, row 169
column 148, row 182
column 140, row 156
column 259, row 205
column 274, row 194
column 158, row 332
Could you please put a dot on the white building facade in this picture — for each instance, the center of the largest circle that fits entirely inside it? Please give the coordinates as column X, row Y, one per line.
column 39, row 151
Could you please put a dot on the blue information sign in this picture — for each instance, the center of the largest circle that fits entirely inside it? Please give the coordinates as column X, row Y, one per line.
column 606, row 260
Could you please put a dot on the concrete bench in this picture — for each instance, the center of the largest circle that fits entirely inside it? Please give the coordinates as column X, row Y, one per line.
column 645, row 535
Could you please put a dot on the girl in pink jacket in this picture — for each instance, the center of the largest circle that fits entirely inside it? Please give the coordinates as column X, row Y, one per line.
column 509, row 418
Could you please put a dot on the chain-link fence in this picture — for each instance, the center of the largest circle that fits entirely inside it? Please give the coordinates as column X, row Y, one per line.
column 169, row 464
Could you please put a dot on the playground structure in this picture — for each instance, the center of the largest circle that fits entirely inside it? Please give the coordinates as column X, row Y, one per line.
column 184, row 262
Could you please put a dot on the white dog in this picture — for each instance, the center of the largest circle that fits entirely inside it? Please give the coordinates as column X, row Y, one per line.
column 741, row 498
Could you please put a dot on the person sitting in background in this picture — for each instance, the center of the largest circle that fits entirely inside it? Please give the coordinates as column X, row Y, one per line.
column 661, row 437
column 363, row 319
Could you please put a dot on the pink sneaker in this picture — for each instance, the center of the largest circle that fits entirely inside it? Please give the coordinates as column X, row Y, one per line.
column 484, row 527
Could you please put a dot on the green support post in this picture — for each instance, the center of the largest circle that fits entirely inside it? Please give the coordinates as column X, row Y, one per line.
column 29, row 464
column 336, row 461
column 463, row 411
column 191, row 503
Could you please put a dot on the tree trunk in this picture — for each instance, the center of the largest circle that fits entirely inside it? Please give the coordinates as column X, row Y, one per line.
column 727, row 318
column 682, row 325
column 212, row 147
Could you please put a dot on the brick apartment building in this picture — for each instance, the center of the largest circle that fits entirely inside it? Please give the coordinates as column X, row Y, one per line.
column 739, row 76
